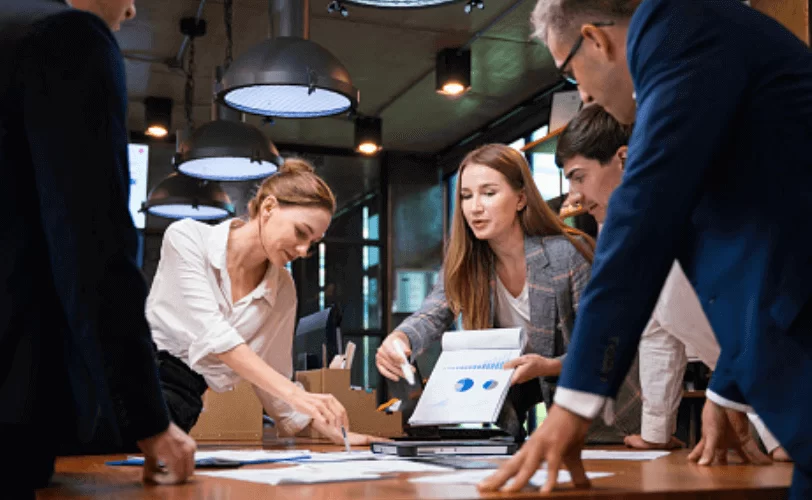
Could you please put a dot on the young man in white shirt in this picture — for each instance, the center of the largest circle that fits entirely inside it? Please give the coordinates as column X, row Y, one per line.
column 592, row 151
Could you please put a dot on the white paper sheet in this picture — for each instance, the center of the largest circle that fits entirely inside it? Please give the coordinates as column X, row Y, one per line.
column 326, row 472
column 291, row 475
column 343, row 456
column 492, row 338
column 244, row 455
column 622, row 455
column 475, row 476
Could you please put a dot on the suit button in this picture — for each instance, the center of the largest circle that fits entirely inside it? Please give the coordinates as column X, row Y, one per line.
column 711, row 300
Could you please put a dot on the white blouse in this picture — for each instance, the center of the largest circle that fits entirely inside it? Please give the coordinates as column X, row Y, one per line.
column 191, row 314
column 511, row 311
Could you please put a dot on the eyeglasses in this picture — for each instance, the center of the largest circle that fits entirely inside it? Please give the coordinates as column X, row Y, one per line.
column 562, row 70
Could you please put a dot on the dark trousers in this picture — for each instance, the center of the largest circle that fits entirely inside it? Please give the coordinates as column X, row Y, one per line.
column 183, row 390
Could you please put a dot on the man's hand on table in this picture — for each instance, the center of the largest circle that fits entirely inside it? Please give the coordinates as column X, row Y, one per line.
column 169, row 457
column 636, row 441
column 722, row 429
column 558, row 442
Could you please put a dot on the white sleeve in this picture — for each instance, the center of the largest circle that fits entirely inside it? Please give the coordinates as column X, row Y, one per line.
column 196, row 312
column 662, row 368
column 277, row 354
column 581, row 403
column 728, row 403
column 767, row 438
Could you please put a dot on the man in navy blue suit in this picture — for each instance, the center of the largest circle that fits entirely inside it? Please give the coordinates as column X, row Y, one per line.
column 719, row 176
column 75, row 347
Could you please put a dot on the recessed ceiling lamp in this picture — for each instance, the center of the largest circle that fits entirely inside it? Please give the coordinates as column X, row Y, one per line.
column 289, row 76
column 368, row 135
column 179, row 197
column 157, row 116
column 453, row 71
column 226, row 148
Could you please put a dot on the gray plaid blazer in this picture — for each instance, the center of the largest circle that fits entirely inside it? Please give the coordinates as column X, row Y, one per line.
column 556, row 275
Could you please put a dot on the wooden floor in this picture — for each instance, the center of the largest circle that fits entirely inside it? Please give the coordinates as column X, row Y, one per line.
column 666, row 478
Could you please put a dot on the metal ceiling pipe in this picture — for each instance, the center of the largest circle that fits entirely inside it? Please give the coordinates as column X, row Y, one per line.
column 294, row 18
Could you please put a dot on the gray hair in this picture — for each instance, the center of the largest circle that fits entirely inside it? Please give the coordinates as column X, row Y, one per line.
column 562, row 15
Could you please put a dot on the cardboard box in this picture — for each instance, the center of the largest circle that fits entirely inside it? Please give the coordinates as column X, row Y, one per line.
column 361, row 405
column 230, row 416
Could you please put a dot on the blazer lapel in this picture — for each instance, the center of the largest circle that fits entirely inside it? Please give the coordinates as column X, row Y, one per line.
column 541, row 294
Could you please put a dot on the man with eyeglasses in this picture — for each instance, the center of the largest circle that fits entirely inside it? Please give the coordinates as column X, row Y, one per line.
column 721, row 98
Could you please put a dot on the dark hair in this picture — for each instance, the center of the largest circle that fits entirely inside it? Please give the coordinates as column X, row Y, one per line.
column 593, row 134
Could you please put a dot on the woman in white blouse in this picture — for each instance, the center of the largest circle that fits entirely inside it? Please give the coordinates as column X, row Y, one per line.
column 222, row 305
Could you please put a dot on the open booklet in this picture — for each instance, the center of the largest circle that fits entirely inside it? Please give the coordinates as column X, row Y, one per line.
column 469, row 384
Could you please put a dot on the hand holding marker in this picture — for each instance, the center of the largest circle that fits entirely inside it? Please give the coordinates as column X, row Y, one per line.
column 405, row 366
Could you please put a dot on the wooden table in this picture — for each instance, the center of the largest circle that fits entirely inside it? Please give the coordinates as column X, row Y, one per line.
column 665, row 478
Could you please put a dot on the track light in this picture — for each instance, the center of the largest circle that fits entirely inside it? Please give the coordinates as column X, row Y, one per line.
column 368, row 135
column 453, row 71
column 157, row 116
column 469, row 6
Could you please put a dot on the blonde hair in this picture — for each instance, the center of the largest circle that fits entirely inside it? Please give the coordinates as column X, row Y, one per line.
column 469, row 261
column 296, row 183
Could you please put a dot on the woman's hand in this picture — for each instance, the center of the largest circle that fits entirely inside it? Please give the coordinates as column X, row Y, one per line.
column 387, row 358
column 531, row 366
column 354, row 438
column 324, row 409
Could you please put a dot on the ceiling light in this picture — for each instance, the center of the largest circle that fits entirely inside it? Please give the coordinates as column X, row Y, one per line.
column 157, row 116
column 179, row 197
column 453, row 71
column 289, row 76
column 368, row 135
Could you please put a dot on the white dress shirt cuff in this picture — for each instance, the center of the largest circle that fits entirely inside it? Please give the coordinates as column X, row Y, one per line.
column 585, row 404
column 657, row 428
column 727, row 403
column 293, row 423
column 767, row 438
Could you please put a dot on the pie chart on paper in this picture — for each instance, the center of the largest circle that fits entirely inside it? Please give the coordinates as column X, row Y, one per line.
column 463, row 384
column 490, row 384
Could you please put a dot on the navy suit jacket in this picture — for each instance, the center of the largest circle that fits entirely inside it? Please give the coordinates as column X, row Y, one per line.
column 68, row 244
column 719, row 176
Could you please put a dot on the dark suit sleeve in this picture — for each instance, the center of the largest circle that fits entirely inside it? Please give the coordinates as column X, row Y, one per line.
column 689, row 81
column 75, row 119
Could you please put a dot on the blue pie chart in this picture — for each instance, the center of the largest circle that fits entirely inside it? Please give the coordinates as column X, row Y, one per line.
column 463, row 384
column 490, row 384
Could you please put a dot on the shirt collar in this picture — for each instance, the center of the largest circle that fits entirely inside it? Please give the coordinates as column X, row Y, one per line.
column 217, row 246
column 218, row 242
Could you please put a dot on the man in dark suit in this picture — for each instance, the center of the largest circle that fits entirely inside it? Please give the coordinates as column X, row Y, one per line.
column 75, row 347
column 719, row 176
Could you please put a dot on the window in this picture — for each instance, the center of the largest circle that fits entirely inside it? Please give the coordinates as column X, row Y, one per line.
column 518, row 144
column 549, row 178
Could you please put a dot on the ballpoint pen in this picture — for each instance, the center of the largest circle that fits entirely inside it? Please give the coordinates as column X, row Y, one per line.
column 346, row 440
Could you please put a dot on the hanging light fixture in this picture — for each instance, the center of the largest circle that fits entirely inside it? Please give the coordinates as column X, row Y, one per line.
column 453, row 71
column 179, row 197
column 226, row 148
column 289, row 76
column 368, row 135
column 399, row 4
column 157, row 116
